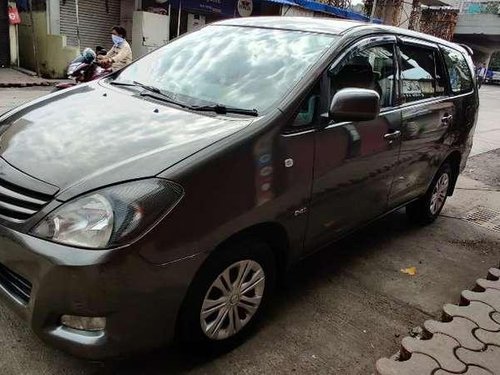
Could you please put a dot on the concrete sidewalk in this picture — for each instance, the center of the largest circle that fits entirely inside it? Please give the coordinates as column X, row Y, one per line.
column 14, row 78
column 467, row 338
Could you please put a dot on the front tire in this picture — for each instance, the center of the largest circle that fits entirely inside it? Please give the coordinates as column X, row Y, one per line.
column 426, row 209
column 228, row 296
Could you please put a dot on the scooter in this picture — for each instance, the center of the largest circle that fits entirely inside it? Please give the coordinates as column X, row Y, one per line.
column 84, row 69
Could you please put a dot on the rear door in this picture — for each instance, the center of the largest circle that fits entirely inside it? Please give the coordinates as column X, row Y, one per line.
column 427, row 114
column 354, row 161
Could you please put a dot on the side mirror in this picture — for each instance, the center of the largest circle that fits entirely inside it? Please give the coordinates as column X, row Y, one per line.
column 353, row 104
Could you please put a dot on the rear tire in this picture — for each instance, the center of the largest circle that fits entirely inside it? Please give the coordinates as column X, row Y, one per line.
column 426, row 209
column 221, row 306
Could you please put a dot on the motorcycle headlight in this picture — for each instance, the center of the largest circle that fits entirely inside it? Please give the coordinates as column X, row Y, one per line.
column 111, row 216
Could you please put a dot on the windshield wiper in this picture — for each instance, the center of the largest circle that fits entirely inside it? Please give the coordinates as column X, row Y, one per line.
column 151, row 91
column 156, row 90
column 157, row 93
column 222, row 109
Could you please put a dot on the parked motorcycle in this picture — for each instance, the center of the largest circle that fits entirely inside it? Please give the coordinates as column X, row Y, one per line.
column 84, row 68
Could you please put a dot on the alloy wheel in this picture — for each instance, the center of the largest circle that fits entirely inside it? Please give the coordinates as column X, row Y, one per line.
column 439, row 193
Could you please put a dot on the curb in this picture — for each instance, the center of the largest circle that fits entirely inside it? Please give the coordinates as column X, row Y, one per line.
column 24, row 84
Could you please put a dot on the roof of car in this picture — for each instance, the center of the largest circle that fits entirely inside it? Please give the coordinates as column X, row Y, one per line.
column 332, row 26
column 310, row 24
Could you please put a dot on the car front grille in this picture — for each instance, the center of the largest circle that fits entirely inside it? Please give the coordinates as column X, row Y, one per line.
column 15, row 284
column 18, row 203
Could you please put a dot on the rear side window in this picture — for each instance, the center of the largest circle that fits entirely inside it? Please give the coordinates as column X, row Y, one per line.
column 458, row 71
column 421, row 77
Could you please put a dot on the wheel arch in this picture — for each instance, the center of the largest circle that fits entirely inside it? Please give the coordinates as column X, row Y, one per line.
column 272, row 233
column 454, row 159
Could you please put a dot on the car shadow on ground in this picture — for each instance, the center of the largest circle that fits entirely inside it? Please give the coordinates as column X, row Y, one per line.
column 321, row 267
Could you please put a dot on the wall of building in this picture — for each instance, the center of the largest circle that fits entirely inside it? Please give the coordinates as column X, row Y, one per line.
column 53, row 53
column 488, row 24
column 4, row 35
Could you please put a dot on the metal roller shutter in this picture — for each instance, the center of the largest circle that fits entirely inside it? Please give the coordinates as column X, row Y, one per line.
column 4, row 35
column 97, row 17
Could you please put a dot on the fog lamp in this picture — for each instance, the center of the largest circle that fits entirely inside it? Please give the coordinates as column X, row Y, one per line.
column 84, row 323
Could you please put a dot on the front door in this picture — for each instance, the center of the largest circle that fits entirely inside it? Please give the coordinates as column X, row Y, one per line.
column 355, row 162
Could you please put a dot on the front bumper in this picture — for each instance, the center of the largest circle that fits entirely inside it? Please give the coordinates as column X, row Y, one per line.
column 139, row 300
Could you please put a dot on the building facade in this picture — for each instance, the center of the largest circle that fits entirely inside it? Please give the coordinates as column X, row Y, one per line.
column 63, row 28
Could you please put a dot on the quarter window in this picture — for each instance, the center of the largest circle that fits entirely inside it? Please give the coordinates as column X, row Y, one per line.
column 369, row 68
column 458, row 71
column 421, row 73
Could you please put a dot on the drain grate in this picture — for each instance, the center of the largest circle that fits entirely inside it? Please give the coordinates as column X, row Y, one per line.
column 485, row 217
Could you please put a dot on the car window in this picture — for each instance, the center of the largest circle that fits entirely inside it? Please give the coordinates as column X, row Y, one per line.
column 421, row 73
column 242, row 67
column 370, row 68
column 308, row 111
column 458, row 71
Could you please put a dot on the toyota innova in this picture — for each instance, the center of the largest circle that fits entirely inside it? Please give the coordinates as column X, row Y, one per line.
column 165, row 200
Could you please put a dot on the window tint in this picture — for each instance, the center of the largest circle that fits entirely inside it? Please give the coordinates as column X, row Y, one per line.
column 458, row 71
column 421, row 73
column 369, row 68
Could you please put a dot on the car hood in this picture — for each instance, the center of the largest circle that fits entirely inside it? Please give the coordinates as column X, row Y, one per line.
column 93, row 136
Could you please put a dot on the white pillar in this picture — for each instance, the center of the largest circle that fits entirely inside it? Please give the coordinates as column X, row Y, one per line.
column 53, row 17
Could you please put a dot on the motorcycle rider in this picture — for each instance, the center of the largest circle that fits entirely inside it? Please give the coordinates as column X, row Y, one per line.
column 120, row 54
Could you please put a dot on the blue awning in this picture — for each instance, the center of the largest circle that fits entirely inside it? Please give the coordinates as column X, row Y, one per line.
column 283, row 2
column 325, row 8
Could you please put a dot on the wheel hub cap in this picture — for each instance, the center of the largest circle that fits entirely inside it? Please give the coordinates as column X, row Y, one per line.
column 232, row 300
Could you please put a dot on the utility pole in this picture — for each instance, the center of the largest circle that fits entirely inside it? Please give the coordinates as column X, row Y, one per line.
column 374, row 6
column 77, row 12
column 33, row 37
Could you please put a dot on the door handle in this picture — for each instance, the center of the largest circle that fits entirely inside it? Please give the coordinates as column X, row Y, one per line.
column 446, row 119
column 392, row 136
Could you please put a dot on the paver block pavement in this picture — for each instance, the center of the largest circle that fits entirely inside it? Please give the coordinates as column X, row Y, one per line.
column 477, row 312
column 416, row 364
column 471, row 370
column 467, row 341
column 493, row 274
column 490, row 297
column 485, row 284
column 488, row 337
column 496, row 317
column 458, row 328
column 440, row 347
column 489, row 359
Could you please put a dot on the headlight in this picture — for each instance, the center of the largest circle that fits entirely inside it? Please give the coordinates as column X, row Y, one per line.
column 111, row 216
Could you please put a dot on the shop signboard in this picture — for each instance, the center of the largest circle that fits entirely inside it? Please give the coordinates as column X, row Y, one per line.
column 223, row 7
column 14, row 18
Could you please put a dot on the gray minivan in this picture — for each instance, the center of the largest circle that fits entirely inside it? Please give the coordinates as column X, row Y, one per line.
column 166, row 199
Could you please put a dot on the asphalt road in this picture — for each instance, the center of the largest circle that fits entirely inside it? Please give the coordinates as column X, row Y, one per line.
column 344, row 307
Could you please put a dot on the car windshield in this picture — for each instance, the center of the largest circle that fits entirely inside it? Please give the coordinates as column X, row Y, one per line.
column 239, row 67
